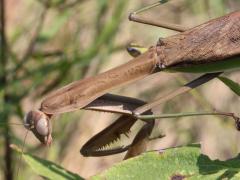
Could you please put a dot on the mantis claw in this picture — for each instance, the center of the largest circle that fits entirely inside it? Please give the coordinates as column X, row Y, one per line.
column 99, row 145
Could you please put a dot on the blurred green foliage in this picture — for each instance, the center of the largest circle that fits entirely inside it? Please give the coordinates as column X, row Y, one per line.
column 36, row 69
column 235, row 87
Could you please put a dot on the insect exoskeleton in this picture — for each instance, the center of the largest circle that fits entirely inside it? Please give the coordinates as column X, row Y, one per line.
column 39, row 123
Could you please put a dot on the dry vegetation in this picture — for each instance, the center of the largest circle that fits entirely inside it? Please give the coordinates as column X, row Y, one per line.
column 52, row 44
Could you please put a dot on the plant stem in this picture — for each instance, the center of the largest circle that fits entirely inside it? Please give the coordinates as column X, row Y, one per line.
column 3, row 79
column 177, row 115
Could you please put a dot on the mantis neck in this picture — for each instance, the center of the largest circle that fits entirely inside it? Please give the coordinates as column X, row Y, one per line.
column 80, row 93
column 140, row 67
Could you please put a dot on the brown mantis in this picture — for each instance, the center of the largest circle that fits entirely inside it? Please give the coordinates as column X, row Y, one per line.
column 211, row 47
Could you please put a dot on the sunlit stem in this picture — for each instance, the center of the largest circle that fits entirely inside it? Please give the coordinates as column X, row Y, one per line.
column 4, row 123
column 22, row 152
column 177, row 115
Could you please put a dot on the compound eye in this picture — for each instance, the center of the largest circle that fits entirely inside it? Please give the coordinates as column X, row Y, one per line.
column 28, row 120
column 25, row 121
column 42, row 126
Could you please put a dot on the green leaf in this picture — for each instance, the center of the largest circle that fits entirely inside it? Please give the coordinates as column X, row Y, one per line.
column 235, row 87
column 48, row 169
column 176, row 163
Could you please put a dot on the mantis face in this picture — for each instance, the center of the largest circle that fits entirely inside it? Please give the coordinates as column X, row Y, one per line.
column 39, row 123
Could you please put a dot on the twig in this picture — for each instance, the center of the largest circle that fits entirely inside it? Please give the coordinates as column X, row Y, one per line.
column 3, row 77
column 46, row 54
column 3, row 40
column 69, row 5
column 177, row 115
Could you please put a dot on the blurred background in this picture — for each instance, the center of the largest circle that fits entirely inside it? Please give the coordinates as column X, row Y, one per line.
column 50, row 43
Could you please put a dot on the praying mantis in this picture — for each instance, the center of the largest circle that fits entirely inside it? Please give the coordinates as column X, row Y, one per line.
column 211, row 48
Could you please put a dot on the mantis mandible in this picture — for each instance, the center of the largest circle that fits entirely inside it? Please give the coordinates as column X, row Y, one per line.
column 212, row 48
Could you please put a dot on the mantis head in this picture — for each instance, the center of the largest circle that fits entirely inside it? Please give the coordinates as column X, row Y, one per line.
column 39, row 123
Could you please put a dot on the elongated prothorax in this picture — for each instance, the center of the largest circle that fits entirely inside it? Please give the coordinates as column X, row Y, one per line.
column 214, row 41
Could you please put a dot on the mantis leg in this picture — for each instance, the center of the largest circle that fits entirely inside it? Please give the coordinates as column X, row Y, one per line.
column 141, row 139
column 125, row 105
column 187, row 87
column 98, row 144
column 134, row 16
column 137, row 50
